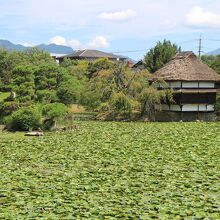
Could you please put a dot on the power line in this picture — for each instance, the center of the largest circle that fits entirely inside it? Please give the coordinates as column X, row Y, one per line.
column 199, row 40
column 141, row 50
column 200, row 44
column 209, row 48
column 188, row 41
column 212, row 39
column 131, row 51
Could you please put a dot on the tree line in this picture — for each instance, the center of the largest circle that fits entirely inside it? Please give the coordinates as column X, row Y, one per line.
column 40, row 91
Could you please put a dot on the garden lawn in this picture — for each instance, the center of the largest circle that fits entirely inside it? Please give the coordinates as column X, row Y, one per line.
column 108, row 170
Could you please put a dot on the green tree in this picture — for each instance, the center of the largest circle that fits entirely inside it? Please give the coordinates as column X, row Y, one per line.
column 8, row 61
column 120, row 91
column 35, row 56
column 69, row 91
column 68, row 63
column 151, row 100
column 48, row 79
column 23, row 83
column 46, row 96
column 212, row 61
column 80, row 70
column 91, row 99
column 49, row 76
column 98, row 65
column 161, row 54
column 11, row 59
column 121, row 103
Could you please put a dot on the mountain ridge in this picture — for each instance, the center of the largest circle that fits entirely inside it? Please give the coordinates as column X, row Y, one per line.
column 214, row 52
column 50, row 48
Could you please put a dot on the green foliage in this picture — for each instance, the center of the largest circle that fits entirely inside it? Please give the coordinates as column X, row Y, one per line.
column 68, row 63
column 118, row 89
column 10, row 59
column 45, row 83
column 46, row 96
column 161, row 54
column 49, row 76
column 212, row 61
column 87, row 69
column 91, row 99
column 4, row 95
column 52, row 113
column 69, row 91
column 80, row 70
column 54, row 110
column 7, row 63
column 151, row 98
column 6, row 108
column 35, row 57
column 120, row 103
column 53, row 83
column 102, row 85
column 24, row 86
column 25, row 119
column 217, row 107
column 98, row 65
column 109, row 170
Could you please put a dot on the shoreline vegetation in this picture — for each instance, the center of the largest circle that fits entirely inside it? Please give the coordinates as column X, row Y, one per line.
column 36, row 92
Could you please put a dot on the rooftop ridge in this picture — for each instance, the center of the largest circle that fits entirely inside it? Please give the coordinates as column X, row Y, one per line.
column 83, row 52
column 186, row 66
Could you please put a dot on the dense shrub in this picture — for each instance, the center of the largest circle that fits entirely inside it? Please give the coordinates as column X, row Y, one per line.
column 54, row 110
column 25, row 119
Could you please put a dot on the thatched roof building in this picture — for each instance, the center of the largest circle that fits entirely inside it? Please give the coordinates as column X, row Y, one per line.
column 194, row 85
column 185, row 66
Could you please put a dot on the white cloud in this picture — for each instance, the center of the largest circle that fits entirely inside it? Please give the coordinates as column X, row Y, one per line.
column 74, row 43
column 117, row 16
column 59, row 40
column 200, row 18
column 99, row 42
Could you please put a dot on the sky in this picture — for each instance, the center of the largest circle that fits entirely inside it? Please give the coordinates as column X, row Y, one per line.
column 126, row 27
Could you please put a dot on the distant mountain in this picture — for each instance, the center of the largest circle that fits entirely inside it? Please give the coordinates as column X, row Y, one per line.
column 214, row 52
column 53, row 48
column 50, row 48
column 10, row 46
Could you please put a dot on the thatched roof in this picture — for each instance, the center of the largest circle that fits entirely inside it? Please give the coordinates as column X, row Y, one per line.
column 93, row 54
column 185, row 66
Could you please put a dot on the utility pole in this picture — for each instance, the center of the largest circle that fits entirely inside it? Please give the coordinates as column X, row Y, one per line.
column 200, row 46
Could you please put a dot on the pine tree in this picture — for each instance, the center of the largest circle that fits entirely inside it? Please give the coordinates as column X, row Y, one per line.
column 161, row 54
